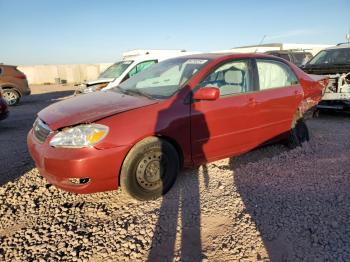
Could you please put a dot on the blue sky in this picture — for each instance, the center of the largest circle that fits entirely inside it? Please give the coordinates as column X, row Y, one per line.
column 93, row 31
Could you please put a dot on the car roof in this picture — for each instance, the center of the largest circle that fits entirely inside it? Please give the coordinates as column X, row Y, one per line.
column 339, row 46
column 164, row 56
column 212, row 56
column 3, row 65
column 288, row 52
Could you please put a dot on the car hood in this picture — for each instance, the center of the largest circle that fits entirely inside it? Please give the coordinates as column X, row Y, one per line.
column 89, row 108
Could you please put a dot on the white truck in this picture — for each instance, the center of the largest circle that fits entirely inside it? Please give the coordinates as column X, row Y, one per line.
column 132, row 63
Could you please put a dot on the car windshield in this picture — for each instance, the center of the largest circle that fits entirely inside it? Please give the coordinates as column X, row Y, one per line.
column 164, row 79
column 115, row 70
column 332, row 56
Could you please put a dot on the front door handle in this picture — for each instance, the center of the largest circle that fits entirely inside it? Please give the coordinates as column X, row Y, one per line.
column 252, row 102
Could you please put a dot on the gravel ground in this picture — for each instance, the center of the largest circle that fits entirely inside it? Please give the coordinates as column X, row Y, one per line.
column 271, row 204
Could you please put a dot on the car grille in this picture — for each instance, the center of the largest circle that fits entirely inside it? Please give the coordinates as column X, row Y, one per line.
column 41, row 130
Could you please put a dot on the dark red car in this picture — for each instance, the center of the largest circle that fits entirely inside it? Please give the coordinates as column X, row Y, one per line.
column 179, row 113
column 4, row 112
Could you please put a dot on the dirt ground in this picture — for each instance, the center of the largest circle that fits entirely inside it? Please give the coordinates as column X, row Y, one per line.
column 271, row 204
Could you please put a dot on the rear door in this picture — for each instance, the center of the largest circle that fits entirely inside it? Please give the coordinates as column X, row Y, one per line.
column 225, row 127
column 278, row 98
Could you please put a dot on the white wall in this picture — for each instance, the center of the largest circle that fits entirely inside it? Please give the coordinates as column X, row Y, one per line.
column 40, row 74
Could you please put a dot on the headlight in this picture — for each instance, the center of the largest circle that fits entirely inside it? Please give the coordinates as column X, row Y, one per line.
column 80, row 136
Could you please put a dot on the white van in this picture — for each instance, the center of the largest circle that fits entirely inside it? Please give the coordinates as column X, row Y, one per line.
column 132, row 63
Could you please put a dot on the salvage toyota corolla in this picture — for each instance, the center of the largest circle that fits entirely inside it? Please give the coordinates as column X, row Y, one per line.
column 181, row 112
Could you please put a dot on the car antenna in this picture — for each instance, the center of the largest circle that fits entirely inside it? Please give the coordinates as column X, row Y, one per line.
column 261, row 41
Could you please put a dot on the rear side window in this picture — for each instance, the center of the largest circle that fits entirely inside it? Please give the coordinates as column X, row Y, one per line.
column 0, row 70
column 273, row 74
column 231, row 78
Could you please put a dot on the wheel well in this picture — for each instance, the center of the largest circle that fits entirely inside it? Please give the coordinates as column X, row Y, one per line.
column 176, row 146
column 297, row 115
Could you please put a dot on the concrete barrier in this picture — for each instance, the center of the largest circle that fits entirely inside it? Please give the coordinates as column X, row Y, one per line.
column 75, row 73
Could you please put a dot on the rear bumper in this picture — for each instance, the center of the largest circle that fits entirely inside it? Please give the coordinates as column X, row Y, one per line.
column 58, row 165
column 4, row 112
column 334, row 104
column 26, row 92
column 4, row 115
column 336, row 96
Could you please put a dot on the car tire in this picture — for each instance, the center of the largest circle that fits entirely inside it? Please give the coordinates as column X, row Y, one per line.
column 11, row 96
column 150, row 169
column 298, row 135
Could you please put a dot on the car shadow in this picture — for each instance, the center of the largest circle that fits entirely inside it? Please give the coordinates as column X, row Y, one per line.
column 295, row 199
column 177, row 231
column 14, row 156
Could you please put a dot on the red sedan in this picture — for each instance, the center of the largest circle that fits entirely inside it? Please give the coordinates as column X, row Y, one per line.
column 179, row 113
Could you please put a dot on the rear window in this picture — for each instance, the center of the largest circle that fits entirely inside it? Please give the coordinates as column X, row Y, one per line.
column 284, row 56
column 301, row 58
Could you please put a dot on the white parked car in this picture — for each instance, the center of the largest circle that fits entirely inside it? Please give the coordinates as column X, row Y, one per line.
column 132, row 63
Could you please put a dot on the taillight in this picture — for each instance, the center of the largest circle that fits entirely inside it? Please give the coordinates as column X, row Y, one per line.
column 21, row 76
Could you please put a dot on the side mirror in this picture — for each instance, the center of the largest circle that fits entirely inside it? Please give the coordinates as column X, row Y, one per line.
column 207, row 93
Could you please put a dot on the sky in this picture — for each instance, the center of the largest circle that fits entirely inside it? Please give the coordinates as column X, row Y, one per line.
column 96, row 31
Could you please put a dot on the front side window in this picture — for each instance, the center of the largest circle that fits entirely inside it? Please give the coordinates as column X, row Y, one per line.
column 231, row 78
column 141, row 66
column 164, row 79
column 115, row 70
column 273, row 74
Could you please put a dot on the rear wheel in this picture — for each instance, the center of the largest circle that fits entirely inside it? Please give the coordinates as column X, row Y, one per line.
column 11, row 96
column 150, row 169
column 298, row 134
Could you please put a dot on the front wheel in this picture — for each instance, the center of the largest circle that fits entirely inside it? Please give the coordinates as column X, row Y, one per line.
column 298, row 135
column 11, row 96
column 150, row 169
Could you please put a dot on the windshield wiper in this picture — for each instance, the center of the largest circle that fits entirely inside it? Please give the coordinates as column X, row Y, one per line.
column 137, row 92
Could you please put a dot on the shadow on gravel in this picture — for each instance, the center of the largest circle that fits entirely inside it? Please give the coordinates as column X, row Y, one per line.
column 180, row 211
column 14, row 157
column 299, row 199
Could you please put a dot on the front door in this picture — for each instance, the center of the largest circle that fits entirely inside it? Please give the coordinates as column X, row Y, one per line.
column 224, row 127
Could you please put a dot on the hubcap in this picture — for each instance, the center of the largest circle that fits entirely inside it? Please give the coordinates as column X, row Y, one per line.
column 150, row 171
column 10, row 97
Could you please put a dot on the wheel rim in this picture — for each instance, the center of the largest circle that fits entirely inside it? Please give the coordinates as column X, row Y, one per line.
column 151, row 171
column 10, row 97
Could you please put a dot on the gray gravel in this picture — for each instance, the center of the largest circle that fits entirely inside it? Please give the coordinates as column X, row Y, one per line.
column 270, row 204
